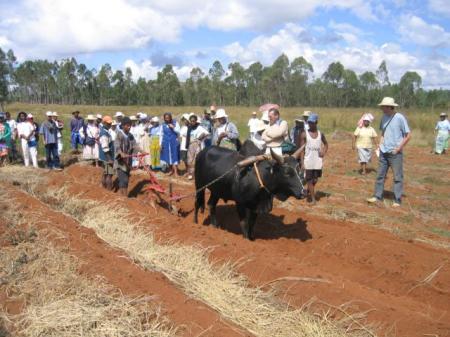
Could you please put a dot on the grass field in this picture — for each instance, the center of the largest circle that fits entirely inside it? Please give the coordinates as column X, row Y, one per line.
column 422, row 122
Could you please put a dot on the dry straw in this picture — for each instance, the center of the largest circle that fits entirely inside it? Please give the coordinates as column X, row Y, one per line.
column 58, row 302
column 217, row 285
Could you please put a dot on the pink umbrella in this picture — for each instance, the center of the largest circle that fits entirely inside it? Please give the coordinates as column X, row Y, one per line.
column 268, row 106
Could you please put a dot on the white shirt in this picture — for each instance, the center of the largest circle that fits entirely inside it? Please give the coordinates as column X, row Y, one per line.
column 312, row 149
column 113, row 134
column 26, row 129
column 183, row 135
column 252, row 123
column 199, row 132
column 13, row 126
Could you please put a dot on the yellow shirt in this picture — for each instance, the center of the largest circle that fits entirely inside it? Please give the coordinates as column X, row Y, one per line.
column 364, row 137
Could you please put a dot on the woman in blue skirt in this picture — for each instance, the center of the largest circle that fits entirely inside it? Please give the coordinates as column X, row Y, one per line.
column 170, row 147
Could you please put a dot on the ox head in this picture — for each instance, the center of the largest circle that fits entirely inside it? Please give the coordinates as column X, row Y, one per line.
column 285, row 177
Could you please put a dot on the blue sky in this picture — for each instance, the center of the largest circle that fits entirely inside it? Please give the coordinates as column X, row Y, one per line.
column 146, row 34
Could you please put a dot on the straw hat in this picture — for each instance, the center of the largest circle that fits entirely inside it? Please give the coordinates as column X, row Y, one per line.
column 221, row 114
column 133, row 118
column 155, row 119
column 99, row 116
column 91, row 118
column 55, row 114
column 113, row 123
column 186, row 116
column 258, row 126
column 388, row 101
column 300, row 120
column 119, row 114
column 306, row 113
column 49, row 113
column 443, row 114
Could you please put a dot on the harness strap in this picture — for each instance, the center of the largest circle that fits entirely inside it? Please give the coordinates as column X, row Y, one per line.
column 258, row 176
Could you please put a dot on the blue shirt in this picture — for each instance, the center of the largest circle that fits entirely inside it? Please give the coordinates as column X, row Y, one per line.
column 395, row 132
column 50, row 132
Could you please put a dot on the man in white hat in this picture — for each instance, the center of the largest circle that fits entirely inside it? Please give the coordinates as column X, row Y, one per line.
column 296, row 131
column 99, row 122
column 305, row 116
column 119, row 116
column 395, row 134
column 60, row 124
column 252, row 122
column 226, row 134
column 49, row 131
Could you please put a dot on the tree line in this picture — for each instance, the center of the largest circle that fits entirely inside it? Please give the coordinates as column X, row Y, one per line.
column 288, row 83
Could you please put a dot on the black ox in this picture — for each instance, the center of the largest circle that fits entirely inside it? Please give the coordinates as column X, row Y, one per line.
column 278, row 177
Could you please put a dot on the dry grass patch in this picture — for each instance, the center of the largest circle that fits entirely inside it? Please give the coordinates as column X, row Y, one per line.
column 58, row 302
column 217, row 285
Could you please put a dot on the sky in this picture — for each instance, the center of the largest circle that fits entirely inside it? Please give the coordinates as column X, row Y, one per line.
column 147, row 34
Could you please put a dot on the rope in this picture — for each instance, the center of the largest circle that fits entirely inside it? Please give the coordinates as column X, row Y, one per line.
column 180, row 197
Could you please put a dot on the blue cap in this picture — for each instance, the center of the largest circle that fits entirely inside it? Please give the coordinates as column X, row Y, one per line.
column 313, row 118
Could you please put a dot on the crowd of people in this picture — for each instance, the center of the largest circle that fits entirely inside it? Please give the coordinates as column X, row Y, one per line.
column 120, row 143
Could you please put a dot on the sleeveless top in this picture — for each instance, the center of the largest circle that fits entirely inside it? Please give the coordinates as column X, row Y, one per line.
column 312, row 148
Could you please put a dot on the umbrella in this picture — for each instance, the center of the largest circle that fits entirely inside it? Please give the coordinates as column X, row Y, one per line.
column 268, row 106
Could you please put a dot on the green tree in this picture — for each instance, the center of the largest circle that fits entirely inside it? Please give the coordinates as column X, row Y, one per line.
column 409, row 86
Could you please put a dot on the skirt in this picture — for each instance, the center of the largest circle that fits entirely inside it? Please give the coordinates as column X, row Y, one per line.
column 155, row 152
column 144, row 143
column 194, row 148
column 90, row 152
column 364, row 155
column 441, row 141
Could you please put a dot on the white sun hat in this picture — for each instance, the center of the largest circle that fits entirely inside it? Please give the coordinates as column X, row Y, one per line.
column 119, row 114
column 186, row 116
column 133, row 118
column 265, row 116
column 49, row 113
column 221, row 114
column 388, row 101
column 55, row 114
column 114, row 122
column 99, row 116
column 29, row 116
column 91, row 118
column 155, row 119
column 306, row 113
column 142, row 116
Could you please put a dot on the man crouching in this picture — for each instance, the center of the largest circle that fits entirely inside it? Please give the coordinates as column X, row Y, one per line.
column 124, row 147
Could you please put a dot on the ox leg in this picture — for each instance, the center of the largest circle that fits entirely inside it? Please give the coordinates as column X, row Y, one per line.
column 251, row 220
column 212, row 202
column 243, row 220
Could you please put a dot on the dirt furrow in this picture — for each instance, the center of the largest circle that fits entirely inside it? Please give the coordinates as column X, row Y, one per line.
column 98, row 258
column 371, row 270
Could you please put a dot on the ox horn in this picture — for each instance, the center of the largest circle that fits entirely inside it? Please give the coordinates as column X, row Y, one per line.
column 296, row 154
column 279, row 159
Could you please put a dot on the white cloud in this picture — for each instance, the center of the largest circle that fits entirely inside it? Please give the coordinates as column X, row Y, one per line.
column 415, row 30
column 41, row 28
column 360, row 56
column 148, row 71
column 144, row 69
column 441, row 7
